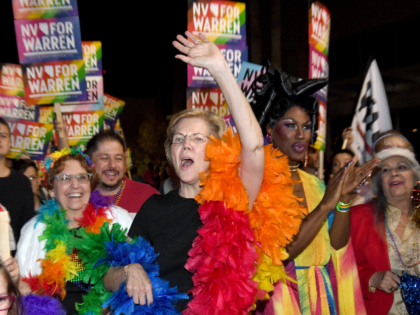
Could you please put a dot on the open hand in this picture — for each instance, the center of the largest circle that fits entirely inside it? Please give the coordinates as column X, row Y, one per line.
column 198, row 53
column 357, row 174
column 138, row 284
column 385, row 280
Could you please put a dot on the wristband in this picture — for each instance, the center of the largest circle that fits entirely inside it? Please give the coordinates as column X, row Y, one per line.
column 343, row 207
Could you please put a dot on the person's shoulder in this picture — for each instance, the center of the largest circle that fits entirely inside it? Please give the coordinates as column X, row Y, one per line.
column 158, row 202
column 32, row 227
column 18, row 177
column 120, row 215
column 144, row 188
column 313, row 179
column 365, row 210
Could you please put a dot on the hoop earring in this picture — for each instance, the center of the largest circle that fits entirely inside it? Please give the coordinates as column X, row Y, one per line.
column 306, row 159
column 269, row 138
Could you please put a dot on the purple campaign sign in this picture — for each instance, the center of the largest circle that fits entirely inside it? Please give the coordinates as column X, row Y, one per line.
column 48, row 39
column 318, row 68
column 234, row 55
column 37, row 9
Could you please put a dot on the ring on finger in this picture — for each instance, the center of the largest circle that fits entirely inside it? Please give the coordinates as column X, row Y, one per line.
column 198, row 43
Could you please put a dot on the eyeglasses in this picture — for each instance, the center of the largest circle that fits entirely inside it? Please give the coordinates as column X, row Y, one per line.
column 6, row 302
column 195, row 137
column 81, row 178
column 31, row 178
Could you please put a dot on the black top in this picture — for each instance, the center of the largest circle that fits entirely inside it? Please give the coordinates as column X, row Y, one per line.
column 170, row 223
column 17, row 197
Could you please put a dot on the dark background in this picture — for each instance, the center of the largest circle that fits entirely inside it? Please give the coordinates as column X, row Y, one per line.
column 139, row 64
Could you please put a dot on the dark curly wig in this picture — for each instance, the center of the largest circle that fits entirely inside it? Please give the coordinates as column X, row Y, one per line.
column 275, row 92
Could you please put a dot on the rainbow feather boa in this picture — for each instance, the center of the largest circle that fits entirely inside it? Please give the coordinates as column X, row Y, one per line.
column 238, row 254
column 99, row 246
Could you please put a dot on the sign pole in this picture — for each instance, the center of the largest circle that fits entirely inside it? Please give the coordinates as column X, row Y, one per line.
column 59, row 117
column 4, row 236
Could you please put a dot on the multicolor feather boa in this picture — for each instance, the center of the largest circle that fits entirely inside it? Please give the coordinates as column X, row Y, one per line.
column 99, row 247
column 238, row 254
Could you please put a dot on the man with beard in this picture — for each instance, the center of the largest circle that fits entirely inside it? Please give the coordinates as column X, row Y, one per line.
column 106, row 150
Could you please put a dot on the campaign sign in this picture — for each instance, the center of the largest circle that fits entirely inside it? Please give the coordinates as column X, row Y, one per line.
column 249, row 72
column 234, row 55
column 95, row 93
column 318, row 68
column 11, row 80
column 207, row 99
column 29, row 137
column 36, row 9
column 81, row 126
column 54, row 82
column 92, row 55
column 222, row 22
column 46, row 114
column 322, row 127
column 13, row 106
column 319, row 27
column 112, row 109
column 48, row 39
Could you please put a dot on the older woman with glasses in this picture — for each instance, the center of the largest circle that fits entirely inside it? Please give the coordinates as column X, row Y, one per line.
column 70, row 179
column 386, row 231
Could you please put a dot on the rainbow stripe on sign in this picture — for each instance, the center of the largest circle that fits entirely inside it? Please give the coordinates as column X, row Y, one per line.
column 46, row 114
column 81, row 126
column 222, row 22
column 92, row 55
column 319, row 27
column 112, row 108
column 48, row 39
column 29, row 137
column 36, row 9
column 54, row 82
column 11, row 80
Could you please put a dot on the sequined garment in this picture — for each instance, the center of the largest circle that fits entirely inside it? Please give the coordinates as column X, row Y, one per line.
column 409, row 247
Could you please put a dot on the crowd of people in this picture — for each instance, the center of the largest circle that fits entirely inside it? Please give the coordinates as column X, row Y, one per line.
column 234, row 226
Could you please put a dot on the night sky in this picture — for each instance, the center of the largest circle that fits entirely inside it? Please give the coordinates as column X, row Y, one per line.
column 136, row 39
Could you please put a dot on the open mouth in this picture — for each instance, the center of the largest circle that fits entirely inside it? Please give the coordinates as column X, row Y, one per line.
column 396, row 183
column 111, row 174
column 186, row 162
column 299, row 147
column 74, row 195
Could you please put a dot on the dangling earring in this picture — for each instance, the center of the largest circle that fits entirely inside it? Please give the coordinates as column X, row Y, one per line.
column 306, row 159
column 268, row 137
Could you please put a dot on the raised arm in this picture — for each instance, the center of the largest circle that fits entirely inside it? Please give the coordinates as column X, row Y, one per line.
column 203, row 53
column 339, row 189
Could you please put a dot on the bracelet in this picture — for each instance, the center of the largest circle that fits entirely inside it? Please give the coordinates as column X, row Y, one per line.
column 343, row 207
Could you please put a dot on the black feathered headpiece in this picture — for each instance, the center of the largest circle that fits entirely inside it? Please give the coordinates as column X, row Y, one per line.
column 275, row 92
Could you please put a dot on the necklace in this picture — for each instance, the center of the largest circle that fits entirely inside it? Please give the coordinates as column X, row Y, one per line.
column 119, row 194
column 395, row 246
column 293, row 168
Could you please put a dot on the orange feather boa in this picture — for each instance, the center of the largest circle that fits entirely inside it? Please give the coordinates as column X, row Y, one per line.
column 276, row 214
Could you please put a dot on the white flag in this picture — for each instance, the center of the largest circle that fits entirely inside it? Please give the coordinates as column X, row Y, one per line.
column 372, row 114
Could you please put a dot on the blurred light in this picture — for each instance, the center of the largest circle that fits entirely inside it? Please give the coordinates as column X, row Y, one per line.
column 104, row 72
column 414, row 130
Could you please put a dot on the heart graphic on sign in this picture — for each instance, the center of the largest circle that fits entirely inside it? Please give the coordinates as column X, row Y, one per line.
column 21, row 128
column 214, row 96
column 44, row 28
column 49, row 70
column 214, row 8
column 76, row 118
